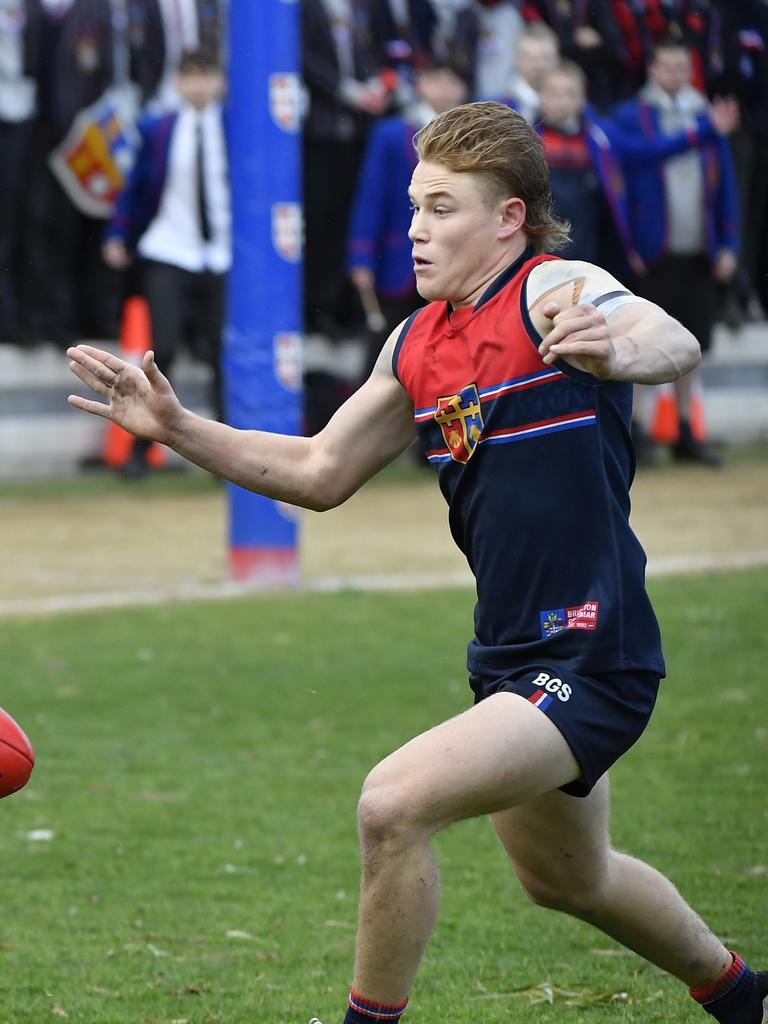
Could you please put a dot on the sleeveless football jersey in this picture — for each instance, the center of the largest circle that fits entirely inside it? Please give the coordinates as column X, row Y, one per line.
column 535, row 463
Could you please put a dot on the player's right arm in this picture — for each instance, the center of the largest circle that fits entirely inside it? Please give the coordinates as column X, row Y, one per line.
column 370, row 430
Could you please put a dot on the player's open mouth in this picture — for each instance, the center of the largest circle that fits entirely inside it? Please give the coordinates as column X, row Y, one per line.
column 419, row 263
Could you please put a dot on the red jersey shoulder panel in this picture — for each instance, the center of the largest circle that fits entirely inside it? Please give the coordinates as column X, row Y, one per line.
column 487, row 344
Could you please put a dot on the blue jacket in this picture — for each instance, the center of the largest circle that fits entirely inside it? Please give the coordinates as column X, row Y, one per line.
column 646, row 190
column 619, row 156
column 381, row 215
column 138, row 203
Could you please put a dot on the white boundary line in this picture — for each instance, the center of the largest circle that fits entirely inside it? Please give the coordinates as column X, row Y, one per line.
column 190, row 591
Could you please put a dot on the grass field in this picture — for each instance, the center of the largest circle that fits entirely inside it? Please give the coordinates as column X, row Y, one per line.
column 186, row 848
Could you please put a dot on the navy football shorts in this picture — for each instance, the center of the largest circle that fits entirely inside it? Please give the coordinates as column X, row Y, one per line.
column 599, row 716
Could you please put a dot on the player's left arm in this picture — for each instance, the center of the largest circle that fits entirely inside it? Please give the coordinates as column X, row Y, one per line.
column 589, row 319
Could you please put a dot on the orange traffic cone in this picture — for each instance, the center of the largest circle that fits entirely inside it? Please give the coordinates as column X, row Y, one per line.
column 698, row 426
column 665, row 422
column 135, row 340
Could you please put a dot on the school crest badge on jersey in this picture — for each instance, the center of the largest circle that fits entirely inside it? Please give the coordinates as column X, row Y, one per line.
column 461, row 421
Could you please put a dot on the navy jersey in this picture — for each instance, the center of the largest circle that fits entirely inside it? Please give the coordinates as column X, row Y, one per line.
column 535, row 463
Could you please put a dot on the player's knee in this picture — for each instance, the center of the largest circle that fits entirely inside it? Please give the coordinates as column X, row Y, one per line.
column 577, row 895
column 386, row 814
column 544, row 894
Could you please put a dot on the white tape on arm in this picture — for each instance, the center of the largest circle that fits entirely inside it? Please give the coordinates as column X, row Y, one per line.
column 608, row 301
column 585, row 283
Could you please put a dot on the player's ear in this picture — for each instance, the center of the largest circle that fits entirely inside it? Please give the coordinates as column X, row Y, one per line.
column 512, row 216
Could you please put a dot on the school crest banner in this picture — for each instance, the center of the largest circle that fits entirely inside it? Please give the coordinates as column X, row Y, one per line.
column 95, row 157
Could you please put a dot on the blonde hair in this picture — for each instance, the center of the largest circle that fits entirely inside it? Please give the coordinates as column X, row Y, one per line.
column 495, row 142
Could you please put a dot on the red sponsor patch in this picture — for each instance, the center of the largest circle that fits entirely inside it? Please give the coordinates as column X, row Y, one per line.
column 582, row 616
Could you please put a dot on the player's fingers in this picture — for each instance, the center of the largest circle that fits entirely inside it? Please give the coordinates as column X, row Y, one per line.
column 94, row 383
column 107, row 359
column 81, row 356
column 550, row 309
column 585, row 310
column 97, row 408
column 566, row 328
column 149, row 366
column 587, row 342
column 583, row 346
column 552, row 337
column 585, row 334
column 574, row 318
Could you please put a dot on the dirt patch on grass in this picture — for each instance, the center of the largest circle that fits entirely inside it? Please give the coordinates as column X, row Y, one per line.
column 131, row 540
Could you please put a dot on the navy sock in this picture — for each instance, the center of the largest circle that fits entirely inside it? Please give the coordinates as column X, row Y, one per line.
column 737, row 995
column 365, row 1011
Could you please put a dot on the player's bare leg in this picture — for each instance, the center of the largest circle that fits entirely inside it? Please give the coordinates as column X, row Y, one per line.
column 561, row 852
column 499, row 753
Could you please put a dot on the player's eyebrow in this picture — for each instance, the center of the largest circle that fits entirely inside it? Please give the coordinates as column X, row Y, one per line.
column 433, row 195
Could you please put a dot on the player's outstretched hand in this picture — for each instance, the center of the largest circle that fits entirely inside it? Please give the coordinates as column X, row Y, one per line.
column 581, row 335
column 140, row 399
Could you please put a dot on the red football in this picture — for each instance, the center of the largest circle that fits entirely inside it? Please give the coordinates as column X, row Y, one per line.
column 17, row 758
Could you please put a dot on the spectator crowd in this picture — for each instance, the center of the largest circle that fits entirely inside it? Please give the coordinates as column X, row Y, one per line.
column 59, row 59
column 652, row 115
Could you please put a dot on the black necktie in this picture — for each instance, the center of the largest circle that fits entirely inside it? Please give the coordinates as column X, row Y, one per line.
column 202, row 209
